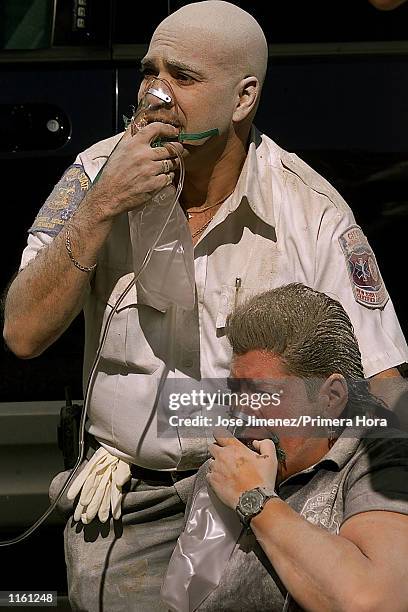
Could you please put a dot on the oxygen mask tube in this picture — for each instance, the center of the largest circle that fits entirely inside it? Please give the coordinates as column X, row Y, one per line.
column 91, row 378
column 169, row 279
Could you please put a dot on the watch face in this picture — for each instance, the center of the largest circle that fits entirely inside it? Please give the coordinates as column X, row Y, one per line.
column 251, row 502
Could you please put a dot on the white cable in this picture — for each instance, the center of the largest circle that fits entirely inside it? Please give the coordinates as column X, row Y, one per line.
column 91, row 377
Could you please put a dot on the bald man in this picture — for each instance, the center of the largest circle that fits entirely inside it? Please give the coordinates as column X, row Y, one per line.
column 259, row 217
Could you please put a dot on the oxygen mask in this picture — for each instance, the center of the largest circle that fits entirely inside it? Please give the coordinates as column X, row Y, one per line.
column 158, row 103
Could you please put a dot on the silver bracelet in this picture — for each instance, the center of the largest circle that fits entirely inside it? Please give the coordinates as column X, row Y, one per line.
column 72, row 258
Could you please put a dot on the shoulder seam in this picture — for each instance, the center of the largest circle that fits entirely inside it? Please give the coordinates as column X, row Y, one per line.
column 329, row 192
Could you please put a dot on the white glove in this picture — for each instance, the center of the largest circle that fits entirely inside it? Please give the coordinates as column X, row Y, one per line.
column 101, row 482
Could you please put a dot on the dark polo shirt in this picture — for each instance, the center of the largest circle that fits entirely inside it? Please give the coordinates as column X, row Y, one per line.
column 356, row 475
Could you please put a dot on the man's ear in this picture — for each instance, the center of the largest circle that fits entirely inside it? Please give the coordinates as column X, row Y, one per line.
column 333, row 395
column 248, row 94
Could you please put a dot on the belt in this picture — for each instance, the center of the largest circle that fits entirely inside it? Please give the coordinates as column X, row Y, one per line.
column 159, row 476
column 141, row 473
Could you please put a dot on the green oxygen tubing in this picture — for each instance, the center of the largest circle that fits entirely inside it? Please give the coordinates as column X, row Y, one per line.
column 184, row 136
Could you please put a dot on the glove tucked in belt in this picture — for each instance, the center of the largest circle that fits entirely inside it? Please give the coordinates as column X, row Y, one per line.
column 101, row 482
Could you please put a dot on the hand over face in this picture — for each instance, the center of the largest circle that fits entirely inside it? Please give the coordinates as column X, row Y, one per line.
column 235, row 468
column 136, row 171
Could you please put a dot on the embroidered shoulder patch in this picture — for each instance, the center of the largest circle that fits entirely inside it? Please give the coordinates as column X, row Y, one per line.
column 368, row 286
column 62, row 202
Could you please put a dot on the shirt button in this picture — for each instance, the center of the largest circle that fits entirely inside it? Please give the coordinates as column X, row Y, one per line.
column 187, row 363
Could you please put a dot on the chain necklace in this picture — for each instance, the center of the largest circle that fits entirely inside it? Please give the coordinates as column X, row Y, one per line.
column 189, row 215
column 202, row 228
column 207, row 223
column 197, row 212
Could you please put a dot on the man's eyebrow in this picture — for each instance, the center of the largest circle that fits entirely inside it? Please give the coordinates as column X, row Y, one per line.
column 183, row 66
column 266, row 385
column 148, row 62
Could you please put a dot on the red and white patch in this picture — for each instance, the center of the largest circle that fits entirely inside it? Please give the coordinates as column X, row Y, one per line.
column 368, row 286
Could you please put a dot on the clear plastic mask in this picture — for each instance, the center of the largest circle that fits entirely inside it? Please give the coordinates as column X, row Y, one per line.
column 157, row 102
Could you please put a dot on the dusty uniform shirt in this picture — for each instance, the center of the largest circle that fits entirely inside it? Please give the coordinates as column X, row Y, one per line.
column 283, row 223
column 356, row 475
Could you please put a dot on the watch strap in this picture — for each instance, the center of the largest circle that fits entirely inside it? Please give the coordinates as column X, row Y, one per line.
column 266, row 492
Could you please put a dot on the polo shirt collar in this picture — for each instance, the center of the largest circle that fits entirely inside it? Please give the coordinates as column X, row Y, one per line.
column 340, row 453
column 344, row 448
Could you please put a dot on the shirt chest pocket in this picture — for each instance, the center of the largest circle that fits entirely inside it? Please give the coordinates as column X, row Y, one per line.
column 233, row 296
column 135, row 335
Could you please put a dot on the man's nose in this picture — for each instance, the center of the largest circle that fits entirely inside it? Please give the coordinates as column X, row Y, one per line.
column 162, row 90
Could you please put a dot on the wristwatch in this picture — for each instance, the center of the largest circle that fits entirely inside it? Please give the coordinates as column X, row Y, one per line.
column 252, row 502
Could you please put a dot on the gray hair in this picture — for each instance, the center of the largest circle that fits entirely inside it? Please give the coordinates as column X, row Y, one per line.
column 310, row 332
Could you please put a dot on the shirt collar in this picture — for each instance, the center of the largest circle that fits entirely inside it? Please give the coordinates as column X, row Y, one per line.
column 351, row 438
column 255, row 183
column 340, row 453
column 344, row 448
column 105, row 148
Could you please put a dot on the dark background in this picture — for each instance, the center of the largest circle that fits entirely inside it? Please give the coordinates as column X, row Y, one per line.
column 336, row 93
